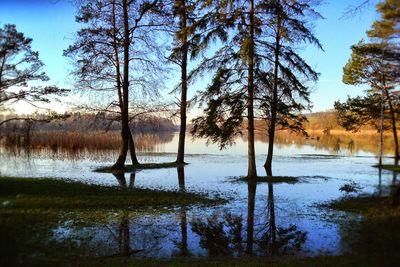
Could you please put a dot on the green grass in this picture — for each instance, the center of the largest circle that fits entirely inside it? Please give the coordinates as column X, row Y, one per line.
column 369, row 206
column 268, row 179
column 32, row 209
column 45, row 193
column 378, row 231
column 133, row 167
column 389, row 167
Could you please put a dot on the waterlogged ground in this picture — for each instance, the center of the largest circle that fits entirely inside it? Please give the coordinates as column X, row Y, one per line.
column 262, row 219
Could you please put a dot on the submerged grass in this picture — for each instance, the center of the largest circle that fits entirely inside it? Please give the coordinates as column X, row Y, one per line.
column 369, row 206
column 33, row 210
column 268, row 179
column 45, row 193
column 133, row 167
column 389, row 167
column 377, row 234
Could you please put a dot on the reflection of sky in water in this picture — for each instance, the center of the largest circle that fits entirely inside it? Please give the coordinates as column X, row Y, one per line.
column 210, row 170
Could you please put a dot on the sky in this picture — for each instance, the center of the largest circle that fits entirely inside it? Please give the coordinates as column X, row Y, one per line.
column 51, row 24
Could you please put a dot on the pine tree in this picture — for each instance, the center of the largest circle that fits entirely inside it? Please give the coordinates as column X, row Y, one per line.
column 258, row 37
column 283, row 92
column 377, row 63
column 19, row 66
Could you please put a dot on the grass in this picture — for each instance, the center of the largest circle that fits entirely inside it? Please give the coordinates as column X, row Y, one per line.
column 32, row 210
column 47, row 193
column 334, row 261
column 395, row 168
column 377, row 234
column 268, row 179
column 133, row 167
column 369, row 206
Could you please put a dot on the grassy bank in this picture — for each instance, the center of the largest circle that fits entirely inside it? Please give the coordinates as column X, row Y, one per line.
column 35, row 213
column 395, row 168
column 377, row 234
column 58, row 194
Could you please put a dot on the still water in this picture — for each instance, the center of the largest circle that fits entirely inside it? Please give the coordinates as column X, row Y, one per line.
column 262, row 219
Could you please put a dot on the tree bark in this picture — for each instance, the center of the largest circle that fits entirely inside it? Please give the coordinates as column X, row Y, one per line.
column 120, row 163
column 132, row 149
column 183, row 102
column 125, row 131
column 272, row 121
column 251, row 171
column 394, row 129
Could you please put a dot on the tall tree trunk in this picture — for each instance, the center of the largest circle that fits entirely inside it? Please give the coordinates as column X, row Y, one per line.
column 394, row 129
column 183, row 102
column 272, row 122
column 125, row 131
column 124, row 147
column 252, row 186
column 251, row 171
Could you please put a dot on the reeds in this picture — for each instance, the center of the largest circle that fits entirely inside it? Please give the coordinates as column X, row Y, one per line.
column 75, row 141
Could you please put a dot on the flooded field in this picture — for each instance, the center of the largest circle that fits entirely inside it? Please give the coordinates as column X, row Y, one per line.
column 265, row 219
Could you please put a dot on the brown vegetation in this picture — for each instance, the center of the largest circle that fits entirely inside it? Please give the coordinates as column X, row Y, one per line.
column 74, row 140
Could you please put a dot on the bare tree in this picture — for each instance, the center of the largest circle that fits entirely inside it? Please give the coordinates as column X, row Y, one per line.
column 117, row 54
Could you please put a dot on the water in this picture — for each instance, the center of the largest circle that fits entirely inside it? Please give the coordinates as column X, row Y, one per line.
column 263, row 220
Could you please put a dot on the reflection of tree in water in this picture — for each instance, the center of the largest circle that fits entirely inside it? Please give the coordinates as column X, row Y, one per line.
column 279, row 240
column 149, row 241
column 120, row 176
column 222, row 234
column 182, row 245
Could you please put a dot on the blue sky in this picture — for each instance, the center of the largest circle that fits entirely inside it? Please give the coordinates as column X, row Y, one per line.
column 51, row 24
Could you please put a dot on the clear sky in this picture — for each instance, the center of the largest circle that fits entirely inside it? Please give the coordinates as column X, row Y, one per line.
column 51, row 24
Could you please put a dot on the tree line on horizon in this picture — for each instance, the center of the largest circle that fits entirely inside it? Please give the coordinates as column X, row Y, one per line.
column 125, row 50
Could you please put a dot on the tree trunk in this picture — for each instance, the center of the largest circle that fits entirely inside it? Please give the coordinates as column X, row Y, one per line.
column 183, row 103
column 132, row 149
column 125, row 131
column 394, row 130
column 120, row 163
column 272, row 122
column 251, row 171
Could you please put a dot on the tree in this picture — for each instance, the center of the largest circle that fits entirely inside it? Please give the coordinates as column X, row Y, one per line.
column 257, row 37
column 283, row 92
column 377, row 63
column 230, row 94
column 359, row 111
column 184, row 18
column 19, row 67
column 115, row 51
